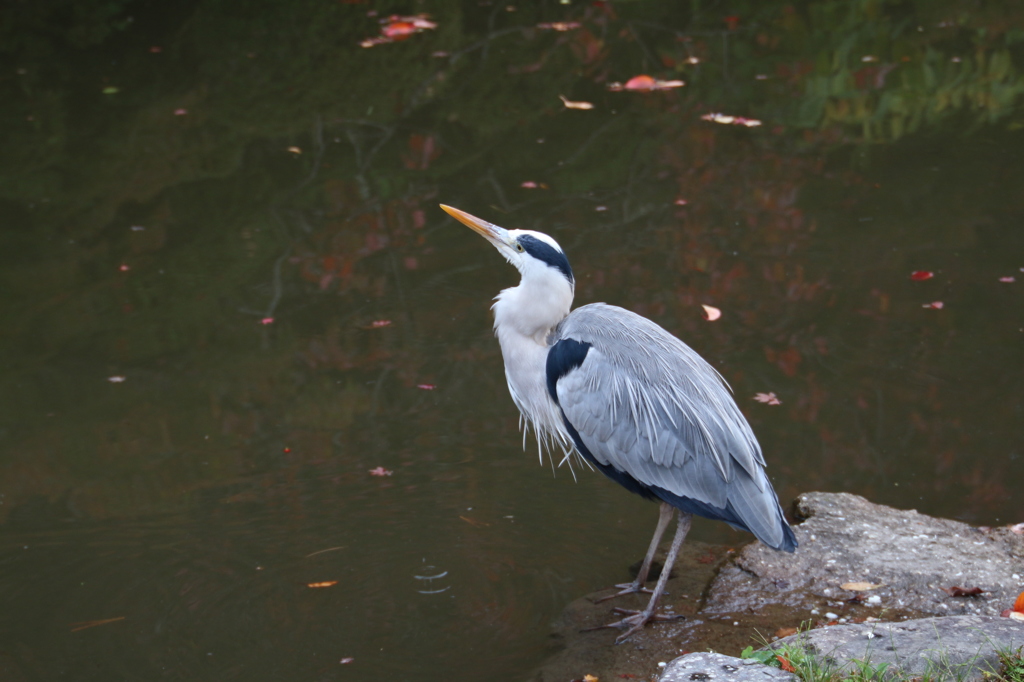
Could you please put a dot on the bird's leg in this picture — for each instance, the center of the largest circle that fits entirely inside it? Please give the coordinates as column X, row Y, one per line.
column 635, row 620
column 664, row 516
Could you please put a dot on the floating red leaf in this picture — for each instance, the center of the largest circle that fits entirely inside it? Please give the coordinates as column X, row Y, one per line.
column 645, row 83
column 395, row 28
column 935, row 305
column 381, row 471
column 1007, row 280
column 767, row 398
column 426, row 387
column 377, row 324
column 921, row 275
column 399, row 29
column 267, row 320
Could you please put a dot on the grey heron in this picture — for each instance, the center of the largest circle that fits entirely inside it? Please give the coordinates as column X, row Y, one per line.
column 631, row 399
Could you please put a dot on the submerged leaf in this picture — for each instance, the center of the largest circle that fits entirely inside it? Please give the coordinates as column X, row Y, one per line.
column 957, row 591
column 731, row 120
column 559, row 25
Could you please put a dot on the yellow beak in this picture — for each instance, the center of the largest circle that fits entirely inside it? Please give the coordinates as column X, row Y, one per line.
column 494, row 234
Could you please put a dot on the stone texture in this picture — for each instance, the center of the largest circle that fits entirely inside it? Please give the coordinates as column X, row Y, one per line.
column 844, row 538
column 960, row 648
column 706, row 667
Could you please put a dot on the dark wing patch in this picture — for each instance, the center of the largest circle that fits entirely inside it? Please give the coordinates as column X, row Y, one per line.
column 564, row 356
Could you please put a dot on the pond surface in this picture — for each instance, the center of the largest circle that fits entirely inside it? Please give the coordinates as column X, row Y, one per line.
column 255, row 423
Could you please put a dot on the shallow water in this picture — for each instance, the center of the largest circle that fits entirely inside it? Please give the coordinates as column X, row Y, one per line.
column 229, row 295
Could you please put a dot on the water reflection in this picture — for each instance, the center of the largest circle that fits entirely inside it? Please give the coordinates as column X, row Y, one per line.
column 290, row 311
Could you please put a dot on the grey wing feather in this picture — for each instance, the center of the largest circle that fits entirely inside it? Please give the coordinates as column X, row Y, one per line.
column 648, row 405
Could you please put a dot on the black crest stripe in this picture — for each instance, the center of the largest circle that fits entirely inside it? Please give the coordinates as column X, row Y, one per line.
column 546, row 253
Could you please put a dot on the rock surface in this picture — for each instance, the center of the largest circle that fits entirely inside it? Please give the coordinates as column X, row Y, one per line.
column 707, row 667
column 731, row 600
column 844, row 538
column 951, row 647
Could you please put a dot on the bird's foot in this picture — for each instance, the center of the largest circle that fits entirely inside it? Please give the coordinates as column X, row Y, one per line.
column 635, row 621
column 625, row 588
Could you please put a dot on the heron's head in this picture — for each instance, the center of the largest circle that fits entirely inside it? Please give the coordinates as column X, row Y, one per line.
column 535, row 254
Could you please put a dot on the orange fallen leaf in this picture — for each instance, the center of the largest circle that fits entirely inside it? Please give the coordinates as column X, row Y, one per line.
column 1018, row 605
column 711, row 313
column 786, row 665
column 569, row 104
column 786, row 632
column 326, row 583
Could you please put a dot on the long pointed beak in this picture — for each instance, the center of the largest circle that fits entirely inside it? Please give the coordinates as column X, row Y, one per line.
column 491, row 232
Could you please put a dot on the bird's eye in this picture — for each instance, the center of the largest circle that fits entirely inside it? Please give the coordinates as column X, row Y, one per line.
column 519, row 247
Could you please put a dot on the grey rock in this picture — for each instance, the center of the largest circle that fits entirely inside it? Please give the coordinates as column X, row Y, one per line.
column 707, row 667
column 845, row 538
column 958, row 648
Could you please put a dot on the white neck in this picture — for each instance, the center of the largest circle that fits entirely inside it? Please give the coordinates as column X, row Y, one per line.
column 533, row 308
column 523, row 318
